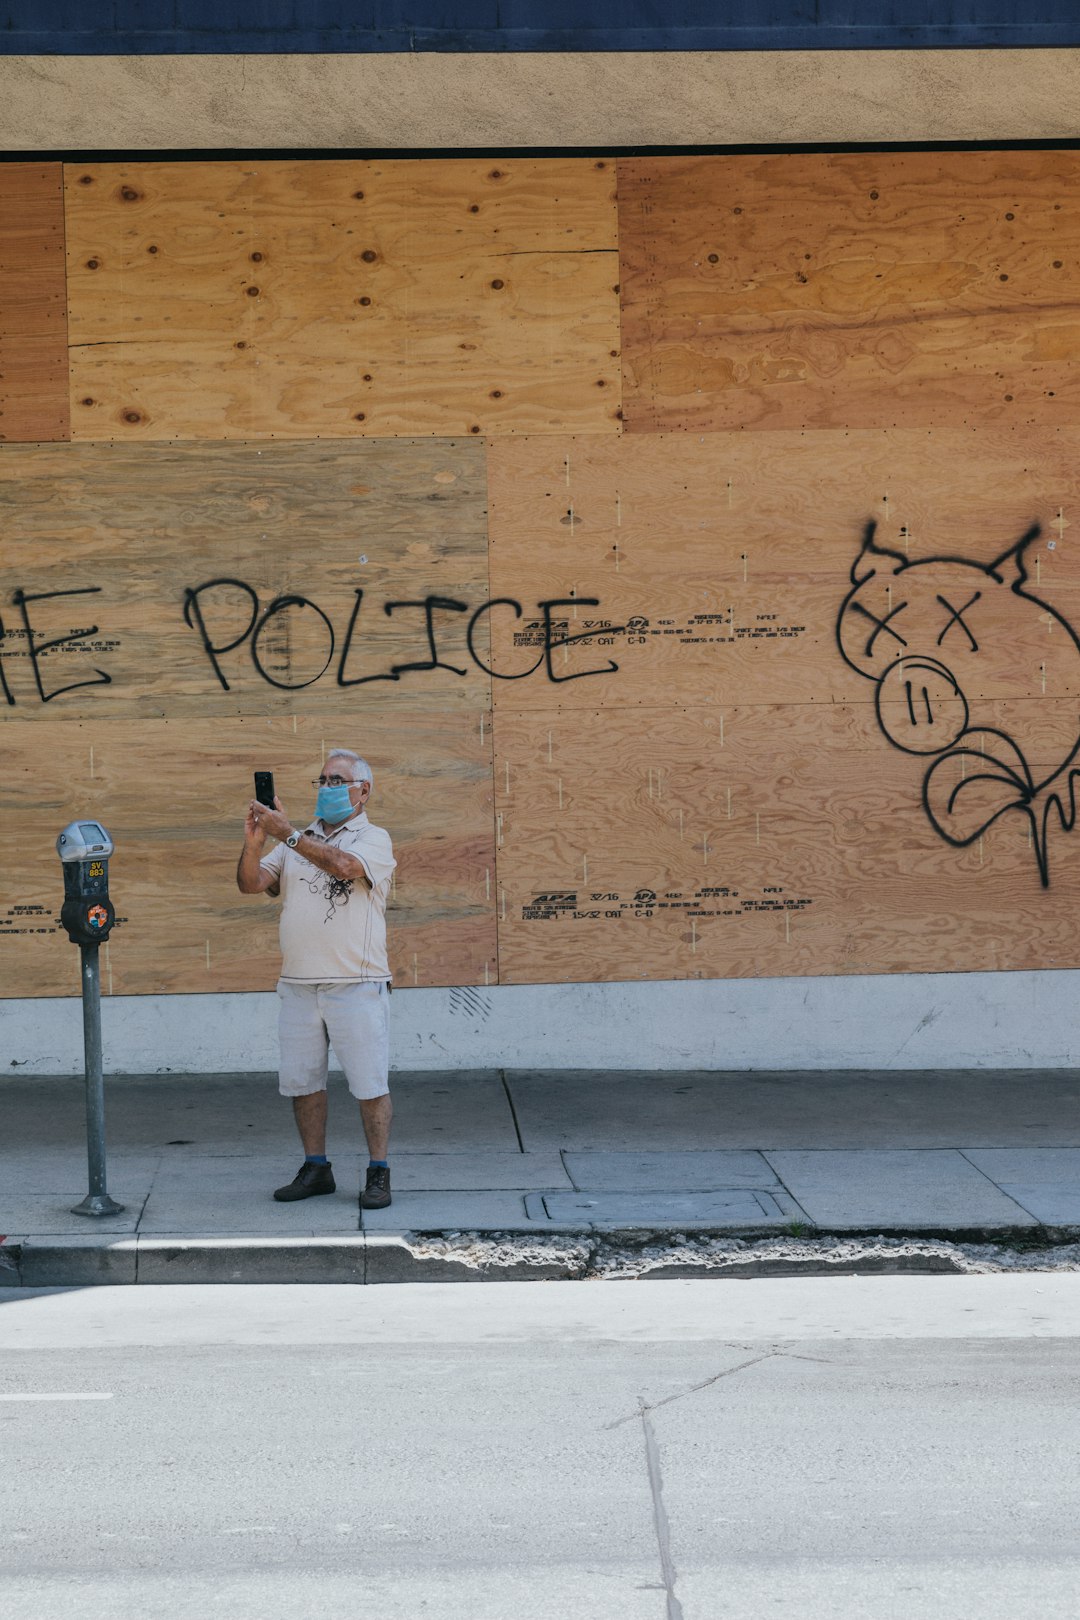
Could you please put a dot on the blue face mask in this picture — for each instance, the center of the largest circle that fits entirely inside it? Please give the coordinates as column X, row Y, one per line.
column 333, row 804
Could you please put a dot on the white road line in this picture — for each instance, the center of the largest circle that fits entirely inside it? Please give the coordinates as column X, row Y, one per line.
column 44, row 1397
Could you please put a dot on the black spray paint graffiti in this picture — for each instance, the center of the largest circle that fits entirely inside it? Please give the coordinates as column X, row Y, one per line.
column 548, row 631
column 37, row 648
column 930, row 635
column 293, row 641
column 553, row 635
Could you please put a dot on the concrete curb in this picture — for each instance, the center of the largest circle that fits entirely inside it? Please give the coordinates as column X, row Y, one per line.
column 584, row 1255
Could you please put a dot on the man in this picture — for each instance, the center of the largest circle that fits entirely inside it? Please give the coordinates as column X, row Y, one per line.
column 333, row 878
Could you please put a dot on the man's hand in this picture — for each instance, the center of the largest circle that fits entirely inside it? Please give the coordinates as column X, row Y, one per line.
column 275, row 822
column 250, row 877
column 253, row 832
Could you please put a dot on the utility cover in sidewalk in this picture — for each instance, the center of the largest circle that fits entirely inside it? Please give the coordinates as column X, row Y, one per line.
column 726, row 1206
column 701, row 1170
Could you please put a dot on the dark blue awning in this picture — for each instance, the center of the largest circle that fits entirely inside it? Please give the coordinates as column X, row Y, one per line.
column 168, row 27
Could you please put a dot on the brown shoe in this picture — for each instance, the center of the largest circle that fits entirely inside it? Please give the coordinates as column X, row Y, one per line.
column 376, row 1193
column 309, row 1181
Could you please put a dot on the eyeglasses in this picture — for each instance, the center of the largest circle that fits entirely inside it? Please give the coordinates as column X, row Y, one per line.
column 334, row 781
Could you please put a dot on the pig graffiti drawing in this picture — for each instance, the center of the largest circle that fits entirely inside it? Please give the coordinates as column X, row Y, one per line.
column 963, row 656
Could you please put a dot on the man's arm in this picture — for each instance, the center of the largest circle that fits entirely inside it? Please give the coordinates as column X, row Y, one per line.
column 325, row 856
column 334, row 861
column 250, row 877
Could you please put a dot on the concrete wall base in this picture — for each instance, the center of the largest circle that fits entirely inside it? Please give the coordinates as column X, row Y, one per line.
column 899, row 1021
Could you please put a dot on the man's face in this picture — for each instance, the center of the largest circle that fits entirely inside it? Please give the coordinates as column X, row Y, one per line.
column 337, row 772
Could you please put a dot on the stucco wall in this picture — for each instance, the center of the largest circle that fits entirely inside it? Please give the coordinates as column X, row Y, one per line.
column 611, row 99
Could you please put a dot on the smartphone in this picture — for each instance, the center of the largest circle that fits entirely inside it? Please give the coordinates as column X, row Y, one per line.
column 264, row 788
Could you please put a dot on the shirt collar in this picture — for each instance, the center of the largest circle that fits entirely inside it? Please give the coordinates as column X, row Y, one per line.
column 317, row 828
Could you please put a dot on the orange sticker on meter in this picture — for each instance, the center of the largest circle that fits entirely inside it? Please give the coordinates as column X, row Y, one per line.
column 97, row 916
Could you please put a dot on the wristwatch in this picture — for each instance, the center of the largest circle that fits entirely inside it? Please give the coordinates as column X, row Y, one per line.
column 293, row 839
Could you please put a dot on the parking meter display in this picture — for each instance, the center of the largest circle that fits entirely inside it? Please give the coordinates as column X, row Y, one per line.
column 87, row 914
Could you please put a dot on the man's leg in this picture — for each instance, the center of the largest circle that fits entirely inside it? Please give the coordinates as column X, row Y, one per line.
column 302, row 1037
column 357, row 1018
column 311, row 1179
column 376, row 1114
column 310, row 1115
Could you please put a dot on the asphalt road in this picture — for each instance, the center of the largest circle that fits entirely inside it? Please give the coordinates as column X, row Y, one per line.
column 829, row 1447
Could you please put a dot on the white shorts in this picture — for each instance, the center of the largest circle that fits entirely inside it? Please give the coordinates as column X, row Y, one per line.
column 353, row 1018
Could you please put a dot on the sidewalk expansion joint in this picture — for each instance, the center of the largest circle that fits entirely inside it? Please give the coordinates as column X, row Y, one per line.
column 513, row 1111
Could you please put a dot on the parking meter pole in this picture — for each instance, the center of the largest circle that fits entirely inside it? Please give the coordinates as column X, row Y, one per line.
column 97, row 1200
column 87, row 916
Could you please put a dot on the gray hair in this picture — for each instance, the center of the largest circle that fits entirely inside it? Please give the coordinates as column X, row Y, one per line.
column 360, row 768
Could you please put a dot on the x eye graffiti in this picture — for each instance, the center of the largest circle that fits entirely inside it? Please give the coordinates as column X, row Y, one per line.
column 949, row 643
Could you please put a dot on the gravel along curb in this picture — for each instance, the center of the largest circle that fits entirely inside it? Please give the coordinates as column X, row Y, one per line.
column 512, row 1257
column 493, row 1256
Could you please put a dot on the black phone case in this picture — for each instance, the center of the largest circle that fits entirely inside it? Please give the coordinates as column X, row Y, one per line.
column 264, row 788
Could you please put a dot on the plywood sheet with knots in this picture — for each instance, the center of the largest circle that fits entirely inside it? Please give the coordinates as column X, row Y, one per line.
column 33, row 304
column 884, row 289
column 341, row 298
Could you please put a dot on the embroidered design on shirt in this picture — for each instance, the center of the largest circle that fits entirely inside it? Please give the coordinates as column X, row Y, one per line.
column 336, row 890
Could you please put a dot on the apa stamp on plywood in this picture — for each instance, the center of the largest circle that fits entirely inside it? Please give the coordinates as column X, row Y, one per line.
column 616, row 906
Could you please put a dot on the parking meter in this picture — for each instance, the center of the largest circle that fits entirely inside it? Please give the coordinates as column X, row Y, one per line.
column 87, row 913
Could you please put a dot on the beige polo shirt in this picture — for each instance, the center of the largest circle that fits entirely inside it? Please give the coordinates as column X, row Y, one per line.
column 334, row 931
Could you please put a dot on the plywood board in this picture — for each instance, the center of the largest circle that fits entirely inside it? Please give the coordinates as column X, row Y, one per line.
column 173, row 795
column 715, row 565
column 815, row 633
column 182, row 549
column 341, row 298
column 769, row 842
column 924, row 289
column 33, row 304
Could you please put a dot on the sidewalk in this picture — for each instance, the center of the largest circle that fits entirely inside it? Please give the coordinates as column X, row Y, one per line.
column 521, row 1173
